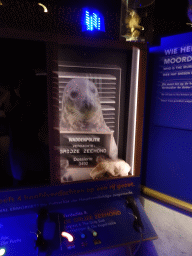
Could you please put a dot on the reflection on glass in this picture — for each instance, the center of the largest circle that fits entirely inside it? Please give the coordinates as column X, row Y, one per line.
column 136, row 19
column 132, row 21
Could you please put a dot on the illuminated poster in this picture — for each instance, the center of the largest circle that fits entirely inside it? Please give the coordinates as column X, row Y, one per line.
column 173, row 85
column 88, row 117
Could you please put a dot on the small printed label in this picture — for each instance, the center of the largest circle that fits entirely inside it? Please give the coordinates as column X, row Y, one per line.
column 4, row 240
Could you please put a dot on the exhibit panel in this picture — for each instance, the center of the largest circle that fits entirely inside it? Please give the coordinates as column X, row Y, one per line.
column 167, row 153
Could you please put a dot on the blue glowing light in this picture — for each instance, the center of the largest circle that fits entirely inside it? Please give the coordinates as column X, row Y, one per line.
column 83, row 236
column 92, row 20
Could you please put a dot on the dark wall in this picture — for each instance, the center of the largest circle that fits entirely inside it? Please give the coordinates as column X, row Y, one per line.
column 170, row 18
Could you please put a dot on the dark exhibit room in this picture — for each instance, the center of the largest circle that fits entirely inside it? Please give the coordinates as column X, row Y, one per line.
column 95, row 128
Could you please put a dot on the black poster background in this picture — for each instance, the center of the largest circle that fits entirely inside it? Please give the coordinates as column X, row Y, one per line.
column 98, row 66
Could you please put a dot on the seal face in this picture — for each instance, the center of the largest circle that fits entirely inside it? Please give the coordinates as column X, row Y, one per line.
column 81, row 108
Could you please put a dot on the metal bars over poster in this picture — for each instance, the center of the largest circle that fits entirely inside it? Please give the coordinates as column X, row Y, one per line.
column 89, row 102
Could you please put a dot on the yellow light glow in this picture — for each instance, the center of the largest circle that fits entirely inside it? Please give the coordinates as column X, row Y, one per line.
column 68, row 236
column 2, row 251
column 44, row 7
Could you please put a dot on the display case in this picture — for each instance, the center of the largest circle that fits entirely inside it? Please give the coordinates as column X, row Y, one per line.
column 74, row 103
column 94, row 122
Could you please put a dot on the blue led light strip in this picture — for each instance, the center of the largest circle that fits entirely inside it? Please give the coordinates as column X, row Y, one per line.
column 99, row 23
column 91, row 22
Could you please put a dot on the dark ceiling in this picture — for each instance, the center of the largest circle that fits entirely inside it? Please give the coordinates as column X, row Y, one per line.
column 170, row 18
column 162, row 18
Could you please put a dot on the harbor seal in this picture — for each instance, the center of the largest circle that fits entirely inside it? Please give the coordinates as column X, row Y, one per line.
column 81, row 111
column 81, row 108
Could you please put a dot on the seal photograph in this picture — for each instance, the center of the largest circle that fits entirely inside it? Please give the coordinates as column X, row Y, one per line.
column 87, row 122
column 81, row 108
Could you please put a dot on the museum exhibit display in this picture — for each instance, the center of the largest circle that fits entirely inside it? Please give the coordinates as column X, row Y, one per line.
column 72, row 118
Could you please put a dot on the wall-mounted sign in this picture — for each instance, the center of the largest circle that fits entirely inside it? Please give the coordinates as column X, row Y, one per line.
column 173, row 91
column 168, row 157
